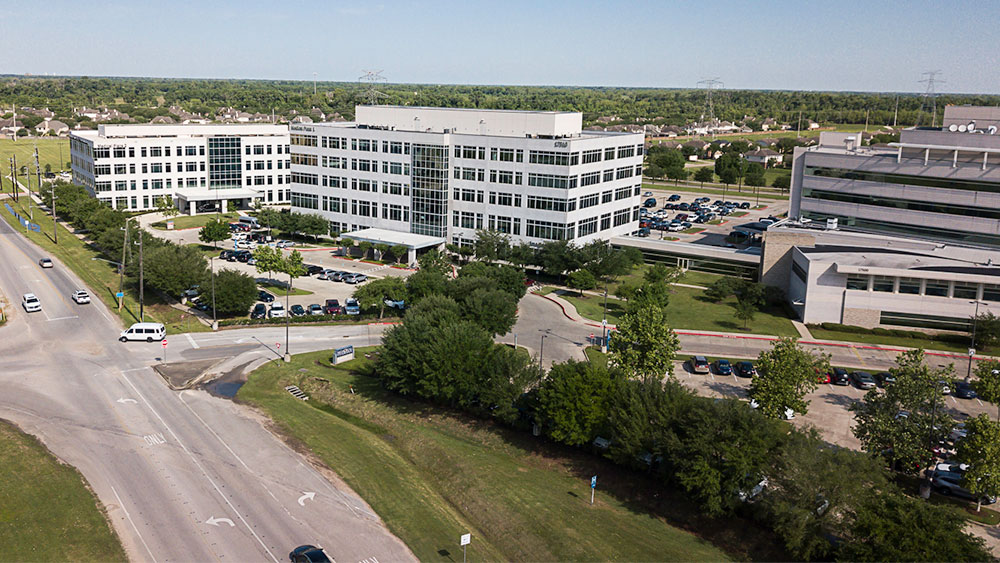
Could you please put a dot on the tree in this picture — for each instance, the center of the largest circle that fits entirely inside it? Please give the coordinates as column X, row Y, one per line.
column 347, row 244
column 501, row 276
column 434, row 261
column 581, row 280
column 987, row 382
column 572, row 401
column 48, row 168
column 787, row 373
column 492, row 309
column 558, row 257
column 643, row 345
column 654, row 171
column 677, row 173
column 400, row 252
column 755, row 175
column 981, row 450
column 214, row 231
column 745, row 312
column 704, row 174
column 658, row 273
column 782, row 182
column 491, row 245
column 172, row 268
column 365, row 246
column 312, row 225
column 987, row 330
column 729, row 176
column 294, row 266
column 424, row 283
column 267, row 259
column 165, row 205
column 382, row 248
column 720, row 289
column 235, row 292
column 373, row 294
column 904, row 421
column 232, row 206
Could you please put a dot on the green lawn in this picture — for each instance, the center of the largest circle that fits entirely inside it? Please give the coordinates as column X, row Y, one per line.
column 925, row 343
column 198, row 221
column 47, row 510
column 432, row 476
column 280, row 289
column 24, row 150
column 687, row 310
column 102, row 277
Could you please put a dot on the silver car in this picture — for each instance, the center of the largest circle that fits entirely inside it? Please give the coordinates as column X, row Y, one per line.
column 81, row 297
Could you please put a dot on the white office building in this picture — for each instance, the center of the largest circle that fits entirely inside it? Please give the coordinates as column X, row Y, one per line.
column 442, row 174
column 200, row 167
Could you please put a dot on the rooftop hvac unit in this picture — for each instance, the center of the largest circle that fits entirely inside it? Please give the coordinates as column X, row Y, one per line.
column 831, row 223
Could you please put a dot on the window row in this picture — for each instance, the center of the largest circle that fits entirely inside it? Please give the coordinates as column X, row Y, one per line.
column 920, row 286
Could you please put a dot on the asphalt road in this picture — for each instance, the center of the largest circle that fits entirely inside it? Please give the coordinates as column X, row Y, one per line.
column 184, row 476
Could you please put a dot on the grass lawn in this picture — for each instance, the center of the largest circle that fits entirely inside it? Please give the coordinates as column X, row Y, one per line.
column 699, row 278
column 281, row 289
column 198, row 221
column 432, row 476
column 101, row 277
column 925, row 343
column 687, row 310
column 693, row 230
column 24, row 151
column 48, row 511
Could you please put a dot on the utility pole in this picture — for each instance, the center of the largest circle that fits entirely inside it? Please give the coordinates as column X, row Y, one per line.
column 895, row 112
column 215, row 322
column 142, row 317
column 13, row 185
column 121, row 271
column 314, row 84
column 55, row 221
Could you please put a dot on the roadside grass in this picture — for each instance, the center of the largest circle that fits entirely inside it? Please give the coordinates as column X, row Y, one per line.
column 100, row 277
column 925, row 343
column 48, row 511
column 24, row 151
column 282, row 289
column 432, row 476
column 198, row 221
column 688, row 309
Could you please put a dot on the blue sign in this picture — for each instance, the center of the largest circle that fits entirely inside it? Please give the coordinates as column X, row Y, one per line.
column 119, row 295
column 593, row 482
column 340, row 352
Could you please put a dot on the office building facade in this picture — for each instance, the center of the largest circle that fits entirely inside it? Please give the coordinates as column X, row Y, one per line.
column 131, row 167
column 447, row 173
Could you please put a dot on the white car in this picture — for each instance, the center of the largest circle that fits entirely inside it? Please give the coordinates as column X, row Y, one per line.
column 31, row 303
column 45, row 262
column 647, row 194
column 277, row 310
column 789, row 413
column 675, row 227
column 81, row 297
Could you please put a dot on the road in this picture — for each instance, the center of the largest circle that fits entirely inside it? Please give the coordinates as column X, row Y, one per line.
column 184, row 476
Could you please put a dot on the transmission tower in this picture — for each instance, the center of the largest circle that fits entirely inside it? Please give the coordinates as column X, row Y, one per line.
column 930, row 95
column 708, row 113
column 372, row 78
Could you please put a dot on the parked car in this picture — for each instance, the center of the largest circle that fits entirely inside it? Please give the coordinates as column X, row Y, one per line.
column 337, row 276
column 651, row 202
column 332, row 307
column 355, row 278
column 745, row 205
column 699, row 364
column 31, row 303
column 723, row 367
column 226, row 255
column 839, row 376
column 745, row 369
column 315, row 309
column 325, row 274
column 964, row 390
column 259, row 311
column 822, row 377
column 862, row 380
column 192, row 291
column 277, row 310
column 81, row 297
column 243, row 256
column 950, row 484
column 353, row 307
column 45, row 263
column 264, row 296
column 297, row 310
column 674, row 197
column 313, row 269
column 884, row 378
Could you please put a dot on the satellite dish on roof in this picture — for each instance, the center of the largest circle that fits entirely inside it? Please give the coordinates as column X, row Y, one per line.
column 962, row 128
column 953, row 127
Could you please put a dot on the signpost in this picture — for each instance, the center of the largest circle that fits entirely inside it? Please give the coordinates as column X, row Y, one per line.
column 120, row 295
column 343, row 354
column 466, row 540
column 164, row 350
column 593, row 486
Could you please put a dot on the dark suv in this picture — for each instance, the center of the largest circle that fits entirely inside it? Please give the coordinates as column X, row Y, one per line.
column 259, row 311
column 839, row 376
column 333, row 307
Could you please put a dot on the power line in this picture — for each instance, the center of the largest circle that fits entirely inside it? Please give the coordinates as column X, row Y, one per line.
column 709, row 84
column 930, row 95
column 373, row 78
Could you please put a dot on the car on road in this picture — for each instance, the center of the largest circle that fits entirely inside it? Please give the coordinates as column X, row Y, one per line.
column 308, row 554
column 312, row 269
column 723, row 367
column 144, row 331
column 964, row 390
column 297, row 310
column 259, row 311
column 839, row 376
column 45, row 263
column 277, row 311
column 332, row 307
column 745, row 369
column 315, row 309
column 31, row 303
column 884, row 378
column 862, row 380
column 355, row 278
column 353, row 307
column 264, row 296
column 284, row 244
column 699, row 364
column 81, row 297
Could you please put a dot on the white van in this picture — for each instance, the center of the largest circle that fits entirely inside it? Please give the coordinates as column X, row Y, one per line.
column 144, row 331
column 250, row 221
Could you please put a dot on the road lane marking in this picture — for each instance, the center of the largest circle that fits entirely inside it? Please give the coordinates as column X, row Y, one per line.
column 64, row 318
column 134, row 527
column 191, row 340
column 155, row 439
column 860, row 359
column 200, row 467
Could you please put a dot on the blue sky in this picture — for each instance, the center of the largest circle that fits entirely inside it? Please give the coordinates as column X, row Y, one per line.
column 875, row 45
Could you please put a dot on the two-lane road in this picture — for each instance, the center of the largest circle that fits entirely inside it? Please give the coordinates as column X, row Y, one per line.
column 184, row 476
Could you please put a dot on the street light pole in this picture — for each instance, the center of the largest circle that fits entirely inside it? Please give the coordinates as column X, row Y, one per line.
column 541, row 354
column 288, row 314
column 972, row 340
column 215, row 321
column 604, row 322
column 142, row 317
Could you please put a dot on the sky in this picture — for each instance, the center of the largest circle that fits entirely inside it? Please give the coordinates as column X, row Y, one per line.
column 872, row 46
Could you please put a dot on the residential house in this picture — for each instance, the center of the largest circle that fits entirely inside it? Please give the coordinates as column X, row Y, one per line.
column 10, row 126
column 162, row 119
column 765, row 157
column 52, row 126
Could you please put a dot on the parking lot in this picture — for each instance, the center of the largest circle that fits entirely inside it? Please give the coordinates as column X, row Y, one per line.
column 714, row 234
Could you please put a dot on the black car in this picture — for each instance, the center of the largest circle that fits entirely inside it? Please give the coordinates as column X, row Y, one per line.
column 723, row 367
column 745, row 205
column 684, row 206
column 964, row 390
column 745, row 369
column 264, row 296
column 308, row 554
column 673, row 197
column 243, row 255
column 884, row 378
column 651, row 202
column 259, row 311
column 863, row 380
column 297, row 310
column 312, row 269
column 839, row 377
column 225, row 254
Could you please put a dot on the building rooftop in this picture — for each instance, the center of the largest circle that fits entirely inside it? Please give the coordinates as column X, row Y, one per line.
column 507, row 123
column 147, row 130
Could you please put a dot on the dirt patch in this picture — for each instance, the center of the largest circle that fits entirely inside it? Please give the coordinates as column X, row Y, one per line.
column 229, row 383
column 181, row 375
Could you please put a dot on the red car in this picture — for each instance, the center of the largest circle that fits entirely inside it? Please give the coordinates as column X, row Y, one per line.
column 822, row 377
column 333, row 307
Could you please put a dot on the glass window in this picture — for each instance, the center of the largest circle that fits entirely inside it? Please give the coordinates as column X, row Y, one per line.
column 909, row 285
column 991, row 292
column 883, row 283
column 964, row 290
column 936, row 287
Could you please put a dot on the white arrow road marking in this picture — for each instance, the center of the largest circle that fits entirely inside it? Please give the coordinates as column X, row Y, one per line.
column 124, row 400
column 215, row 521
column 306, row 496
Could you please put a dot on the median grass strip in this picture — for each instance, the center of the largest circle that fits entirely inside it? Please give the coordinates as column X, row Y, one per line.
column 432, row 476
column 47, row 511
column 282, row 289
